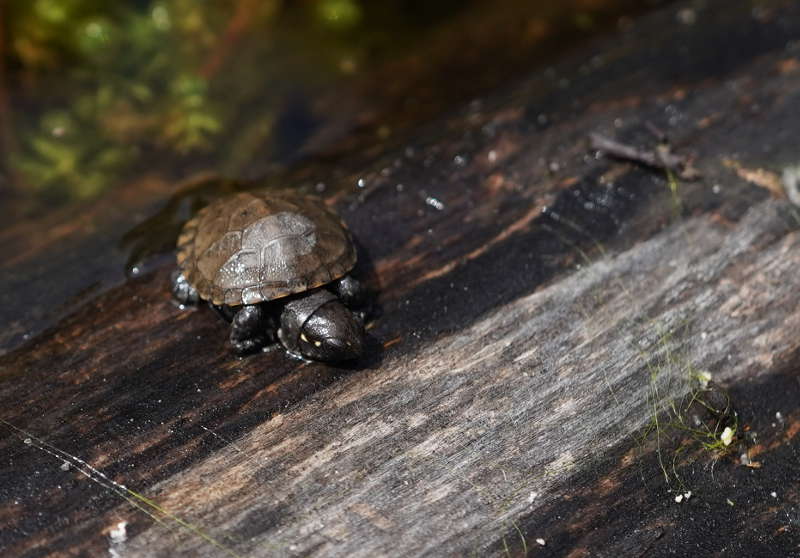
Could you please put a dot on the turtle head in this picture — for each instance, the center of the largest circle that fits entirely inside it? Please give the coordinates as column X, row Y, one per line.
column 332, row 334
column 320, row 327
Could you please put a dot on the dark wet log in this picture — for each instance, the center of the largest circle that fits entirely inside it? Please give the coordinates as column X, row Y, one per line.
column 543, row 311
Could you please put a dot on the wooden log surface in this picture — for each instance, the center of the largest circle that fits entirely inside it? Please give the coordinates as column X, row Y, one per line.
column 541, row 308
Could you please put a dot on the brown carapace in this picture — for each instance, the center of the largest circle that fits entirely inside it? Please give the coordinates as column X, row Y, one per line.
column 254, row 247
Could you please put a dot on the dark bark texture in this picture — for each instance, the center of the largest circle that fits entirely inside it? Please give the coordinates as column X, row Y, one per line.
column 545, row 311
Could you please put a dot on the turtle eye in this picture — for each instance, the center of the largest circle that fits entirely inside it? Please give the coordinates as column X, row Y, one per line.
column 310, row 341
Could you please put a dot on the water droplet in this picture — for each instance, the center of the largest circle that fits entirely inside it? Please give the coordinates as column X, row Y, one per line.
column 434, row 203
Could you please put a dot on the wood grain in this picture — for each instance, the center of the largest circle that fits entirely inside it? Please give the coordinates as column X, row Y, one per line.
column 446, row 444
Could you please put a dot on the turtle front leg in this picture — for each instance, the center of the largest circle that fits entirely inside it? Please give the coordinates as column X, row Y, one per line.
column 356, row 297
column 182, row 291
column 250, row 329
column 350, row 291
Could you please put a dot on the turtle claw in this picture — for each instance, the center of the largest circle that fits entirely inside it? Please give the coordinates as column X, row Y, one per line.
column 248, row 346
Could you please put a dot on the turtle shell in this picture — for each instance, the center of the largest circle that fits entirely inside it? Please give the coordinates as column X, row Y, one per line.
column 253, row 247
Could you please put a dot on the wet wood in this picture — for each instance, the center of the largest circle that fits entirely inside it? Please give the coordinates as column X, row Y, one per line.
column 540, row 306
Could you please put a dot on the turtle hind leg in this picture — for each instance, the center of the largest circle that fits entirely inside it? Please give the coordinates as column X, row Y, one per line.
column 251, row 329
column 182, row 291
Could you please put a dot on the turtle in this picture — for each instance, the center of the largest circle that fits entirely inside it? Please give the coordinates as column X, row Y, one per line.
column 276, row 265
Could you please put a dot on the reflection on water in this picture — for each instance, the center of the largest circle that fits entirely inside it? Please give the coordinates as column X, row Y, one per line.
column 96, row 92
column 100, row 89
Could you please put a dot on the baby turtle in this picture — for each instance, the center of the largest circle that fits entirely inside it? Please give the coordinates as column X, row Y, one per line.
column 275, row 265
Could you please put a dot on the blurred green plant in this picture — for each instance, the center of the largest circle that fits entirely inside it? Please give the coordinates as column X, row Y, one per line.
column 339, row 14
column 102, row 89
column 108, row 82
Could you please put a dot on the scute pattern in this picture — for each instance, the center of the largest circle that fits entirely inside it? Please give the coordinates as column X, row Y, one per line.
column 258, row 246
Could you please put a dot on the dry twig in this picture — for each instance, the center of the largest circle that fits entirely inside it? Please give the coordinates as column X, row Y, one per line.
column 660, row 158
